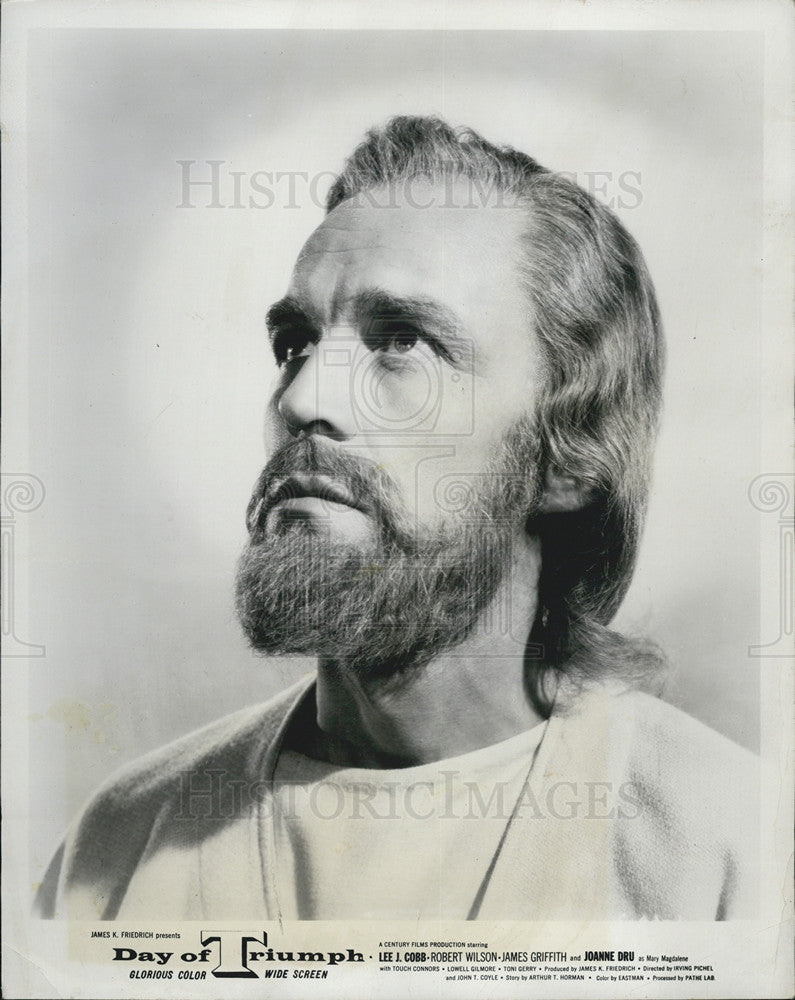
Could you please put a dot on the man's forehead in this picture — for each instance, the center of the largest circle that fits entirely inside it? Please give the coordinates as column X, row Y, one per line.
column 429, row 211
column 428, row 242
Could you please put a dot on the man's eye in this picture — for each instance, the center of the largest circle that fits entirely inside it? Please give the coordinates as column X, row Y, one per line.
column 392, row 338
column 403, row 342
column 289, row 345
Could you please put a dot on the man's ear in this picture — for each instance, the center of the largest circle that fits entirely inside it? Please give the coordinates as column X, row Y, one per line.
column 561, row 494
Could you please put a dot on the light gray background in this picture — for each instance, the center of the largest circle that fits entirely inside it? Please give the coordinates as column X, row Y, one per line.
column 149, row 367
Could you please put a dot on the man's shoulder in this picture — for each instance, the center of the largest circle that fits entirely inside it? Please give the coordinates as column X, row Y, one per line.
column 234, row 744
column 654, row 730
column 667, row 734
column 200, row 777
column 683, row 833
column 686, row 775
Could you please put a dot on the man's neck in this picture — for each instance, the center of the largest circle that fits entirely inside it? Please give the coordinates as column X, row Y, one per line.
column 466, row 698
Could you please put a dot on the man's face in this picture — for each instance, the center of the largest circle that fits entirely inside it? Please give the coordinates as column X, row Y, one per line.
column 405, row 360
column 406, row 342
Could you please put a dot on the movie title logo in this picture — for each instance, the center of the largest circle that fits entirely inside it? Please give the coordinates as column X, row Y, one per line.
column 232, row 955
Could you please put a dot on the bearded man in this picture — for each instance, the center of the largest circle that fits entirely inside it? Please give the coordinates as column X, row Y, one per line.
column 470, row 362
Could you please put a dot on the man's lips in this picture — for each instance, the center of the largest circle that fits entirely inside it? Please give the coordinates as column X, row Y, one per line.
column 313, row 485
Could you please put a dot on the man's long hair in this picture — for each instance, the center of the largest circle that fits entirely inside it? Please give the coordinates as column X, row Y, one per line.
column 593, row 312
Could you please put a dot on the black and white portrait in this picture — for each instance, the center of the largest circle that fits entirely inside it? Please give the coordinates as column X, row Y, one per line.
column 395, row 401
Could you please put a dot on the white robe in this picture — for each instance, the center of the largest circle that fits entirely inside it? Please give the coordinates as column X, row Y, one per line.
column 187, row 832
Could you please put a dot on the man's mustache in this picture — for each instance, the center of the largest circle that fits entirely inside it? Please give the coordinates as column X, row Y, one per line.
column 310, row 466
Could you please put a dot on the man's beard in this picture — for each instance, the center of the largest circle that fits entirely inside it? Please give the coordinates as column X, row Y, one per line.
column 386, row 608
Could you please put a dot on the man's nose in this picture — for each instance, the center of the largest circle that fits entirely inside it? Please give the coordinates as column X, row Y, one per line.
column 318, row 398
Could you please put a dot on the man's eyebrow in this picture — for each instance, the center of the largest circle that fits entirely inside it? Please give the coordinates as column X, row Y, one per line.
column 287, row 310
column 436, row 321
